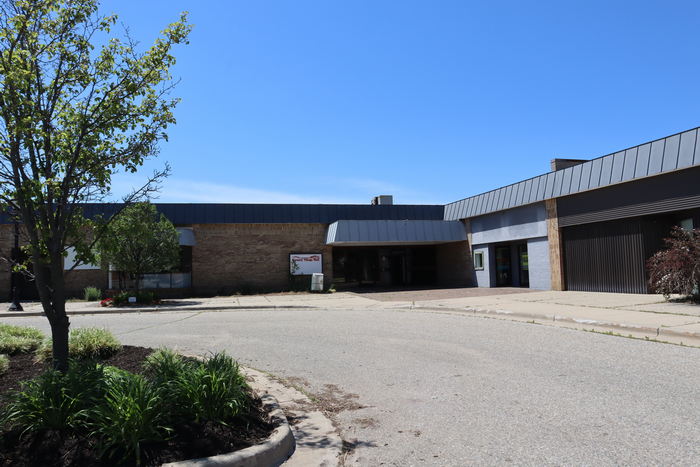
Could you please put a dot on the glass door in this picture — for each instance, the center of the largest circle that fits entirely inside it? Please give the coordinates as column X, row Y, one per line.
column 523, row 265
column 504, row 276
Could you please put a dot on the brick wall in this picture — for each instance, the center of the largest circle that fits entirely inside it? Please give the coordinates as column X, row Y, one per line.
column 453, row 262
column 253, row 257
column 77, row 280
column 555, row 246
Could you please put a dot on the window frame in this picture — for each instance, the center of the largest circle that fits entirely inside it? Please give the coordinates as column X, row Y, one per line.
column 479, row 254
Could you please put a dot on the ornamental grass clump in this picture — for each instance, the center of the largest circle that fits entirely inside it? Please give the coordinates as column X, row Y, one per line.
column 85, row 343
column 92, row 294
column 165, row 366
column 212, row 391
column 133, row 412
column 56, row 401
column 4, row 364
column 19, row 339
column 124, row 415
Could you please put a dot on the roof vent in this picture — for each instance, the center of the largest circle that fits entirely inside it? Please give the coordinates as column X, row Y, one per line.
column 558, row 164
column 382, row 199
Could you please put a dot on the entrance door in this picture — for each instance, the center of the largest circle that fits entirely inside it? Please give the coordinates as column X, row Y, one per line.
column 523, row 265
column 396, row 268
column 504, row 276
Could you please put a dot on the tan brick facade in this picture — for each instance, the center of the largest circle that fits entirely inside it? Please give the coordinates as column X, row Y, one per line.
column 556, row 260
column 253, row 257
column 77, row 280
column 249, row 258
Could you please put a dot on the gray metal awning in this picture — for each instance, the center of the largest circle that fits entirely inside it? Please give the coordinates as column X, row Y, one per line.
column 186, row 235
column 386, row 232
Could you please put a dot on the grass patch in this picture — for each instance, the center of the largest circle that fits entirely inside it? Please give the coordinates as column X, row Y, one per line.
column 84, row 344
column 19, row 339
column 4, row 364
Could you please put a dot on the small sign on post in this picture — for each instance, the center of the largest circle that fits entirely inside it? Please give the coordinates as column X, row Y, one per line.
column 132, row 299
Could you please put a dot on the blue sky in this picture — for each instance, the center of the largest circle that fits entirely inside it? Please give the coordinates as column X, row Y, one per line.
column 431, row 101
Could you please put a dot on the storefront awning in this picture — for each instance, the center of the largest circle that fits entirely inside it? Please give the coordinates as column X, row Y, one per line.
column 386, row 232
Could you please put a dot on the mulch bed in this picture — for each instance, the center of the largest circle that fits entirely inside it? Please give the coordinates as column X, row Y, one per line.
column 190, row 440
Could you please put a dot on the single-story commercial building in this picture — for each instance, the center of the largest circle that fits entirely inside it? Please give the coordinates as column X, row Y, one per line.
column 584, row 225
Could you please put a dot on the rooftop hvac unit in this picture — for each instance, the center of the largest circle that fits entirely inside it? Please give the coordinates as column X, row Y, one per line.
column 383, row 199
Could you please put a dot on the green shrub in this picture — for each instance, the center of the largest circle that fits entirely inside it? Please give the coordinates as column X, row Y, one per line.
column 85, row 343
column 4, row 364
column 56, row 401
column 19, row 339
column 92, row 294
column 131, row 413
column 214, row 390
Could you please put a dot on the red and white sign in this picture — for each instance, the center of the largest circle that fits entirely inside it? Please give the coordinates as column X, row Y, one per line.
column 303, row 264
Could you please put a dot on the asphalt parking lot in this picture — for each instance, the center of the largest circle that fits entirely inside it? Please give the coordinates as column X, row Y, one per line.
column 427, row 388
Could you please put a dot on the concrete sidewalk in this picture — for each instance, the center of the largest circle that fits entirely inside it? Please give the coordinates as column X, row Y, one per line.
column 640, row 316
column 629, row 315
column 243, row 302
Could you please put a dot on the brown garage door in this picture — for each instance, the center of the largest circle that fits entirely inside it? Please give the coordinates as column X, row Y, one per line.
column 611, row 256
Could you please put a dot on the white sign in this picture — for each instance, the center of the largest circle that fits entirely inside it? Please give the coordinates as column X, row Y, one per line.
column 303, row 264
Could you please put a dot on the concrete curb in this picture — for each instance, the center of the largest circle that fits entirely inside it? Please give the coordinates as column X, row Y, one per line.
column 117, row 311
column 273, row 452
column 579, row 323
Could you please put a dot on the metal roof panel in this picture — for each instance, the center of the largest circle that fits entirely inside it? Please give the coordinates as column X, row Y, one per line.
column 687, row 149
column 642, row 167
column 617, row 166
column 630, row 164
column 671, row 153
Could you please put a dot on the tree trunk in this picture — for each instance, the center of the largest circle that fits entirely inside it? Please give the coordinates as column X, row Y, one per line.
column 60, row 323
column 59, row 336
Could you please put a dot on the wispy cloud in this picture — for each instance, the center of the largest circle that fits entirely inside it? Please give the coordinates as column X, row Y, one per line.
column 189, row 191
column 334, row 191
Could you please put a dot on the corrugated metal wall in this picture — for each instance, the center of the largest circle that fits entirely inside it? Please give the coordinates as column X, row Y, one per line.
column 611, row 256
column 676, row 191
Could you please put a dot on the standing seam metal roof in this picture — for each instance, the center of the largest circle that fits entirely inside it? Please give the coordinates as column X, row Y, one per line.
column 678, row 151
column 184, row 213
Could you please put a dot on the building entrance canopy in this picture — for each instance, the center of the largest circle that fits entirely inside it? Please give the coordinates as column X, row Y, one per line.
column 391, row 232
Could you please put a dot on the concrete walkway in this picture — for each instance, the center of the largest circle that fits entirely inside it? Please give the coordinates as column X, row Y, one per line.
column 630, row 315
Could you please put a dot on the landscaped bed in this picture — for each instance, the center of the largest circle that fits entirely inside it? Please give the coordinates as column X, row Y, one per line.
column 134, row 406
